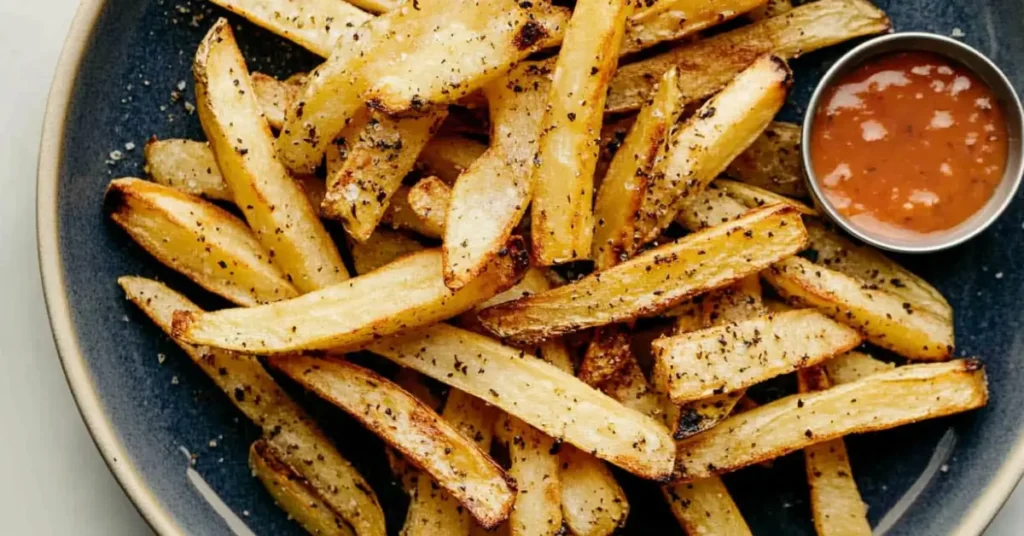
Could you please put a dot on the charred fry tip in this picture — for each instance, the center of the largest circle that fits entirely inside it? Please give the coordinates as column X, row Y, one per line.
column 181, row 322
column 689, row 423
column 115, row 201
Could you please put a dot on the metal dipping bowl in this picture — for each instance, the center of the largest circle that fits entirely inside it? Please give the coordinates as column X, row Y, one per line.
column 988, row 73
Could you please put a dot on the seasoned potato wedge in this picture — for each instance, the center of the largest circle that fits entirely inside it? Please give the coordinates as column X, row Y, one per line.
column 539, row 394
column 727, row 358
column 710, row 208
column 702, row 148
column 315, row 25
column 606, row 355
column 274, row 97
column 293, row 437
column 704, row 507
column 562, row 212
column 188, row 166
column 852, row 366
column 705, row 66
column 885, row 319
column 669, row 20
column 655, row 280
column 433, row 445
column 490, row 197
column 293, row 494
column 755, row 196
column 535, row 469
column 274, row 205
column 402, row 295
column 878, row 402
column 206, row 243
column 593, row 503
column 619, row 199
column 773, row 162
column 836, row 504
column 428, row 200
column 447, row 157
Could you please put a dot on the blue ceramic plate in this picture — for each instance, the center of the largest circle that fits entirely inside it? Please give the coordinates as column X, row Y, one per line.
column 123, row 64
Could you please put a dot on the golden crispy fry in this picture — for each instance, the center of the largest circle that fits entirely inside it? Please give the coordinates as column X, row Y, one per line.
column 593, row 504
column 273, row 204
column 429, row 200
column 702, row 148
column 755, row 196
column 535, row 468
column 904, row 395
column 489, row 199
column 773, row 162
column 885, row 319
column 852, row 366
column 405, row 294
column 836, row 504
column 606, row 355
column 710, row 208
column 621, row 194
column 454, row 462
column 670, row 20
column 386, row 150
column 290, row 433
column 432, row 510
column 205, row 242
column 562, row 212
column 447, row 157
column 872, row 267
column 630, row 387
column 433, row 56
column 274, row 97
column 727, row 358
column 400, row 216
column 188, row 166
column 316, row 25
column 536, row 392
column 704, row 507
column 705, row 66
column 656, row 280
column 293, row 494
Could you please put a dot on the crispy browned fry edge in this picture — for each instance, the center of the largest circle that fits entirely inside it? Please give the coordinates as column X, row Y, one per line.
column 199, row 239
column 878, row 402
column 315, row 25
column 274, row 205
column 428, row 200
column 606, row 355
column 403, row 295
column 655, row 280
column 704, row 506
column 410, row 426
column 669, row 20
column 541, row 395
column 708, row 64
column 535, row 468
column 289, row 431
column 293, row 494
column 727, row 358
column 773, row 162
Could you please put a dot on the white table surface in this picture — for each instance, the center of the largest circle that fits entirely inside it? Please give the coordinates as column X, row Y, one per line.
column 54, row 481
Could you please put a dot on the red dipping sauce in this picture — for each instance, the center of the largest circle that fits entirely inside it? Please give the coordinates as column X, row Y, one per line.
column 909, row 144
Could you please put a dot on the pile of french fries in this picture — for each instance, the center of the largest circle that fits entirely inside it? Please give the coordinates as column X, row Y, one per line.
column 687, row 203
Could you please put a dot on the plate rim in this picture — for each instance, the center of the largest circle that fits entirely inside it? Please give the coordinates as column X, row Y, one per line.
column 979, row 515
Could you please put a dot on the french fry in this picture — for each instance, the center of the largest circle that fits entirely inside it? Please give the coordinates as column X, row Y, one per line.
column 754, row 196
column 291, row 435
column 878, row 402
column 593, row 503
column 399, row 216
column 188, row 166
column 705, row 66
column 537, row 393
column 316, row 25
column 386, row 150
column 562, row 220
column 704, row 507
column 836, row 504
column 852, row 366
column 771, row 8
column 621, row 194
column 709, row 208
column 274, row 205
column 773, row 162
column 274, row 97
column 206, row 243
column 630, row 387
column 703, row 147
column 535, row 469
column 727, row 358
column 293, row 494
column 655, row 280
column 606, row 355
column 670, row 20
column 403, row 295
column 429, row 200
column 490, row 198
column 431, row 509
column 885, row 319
column 434, row 446
column 447, row 157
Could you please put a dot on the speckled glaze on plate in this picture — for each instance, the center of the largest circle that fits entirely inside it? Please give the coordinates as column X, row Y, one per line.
column 115, row 86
